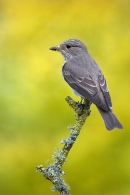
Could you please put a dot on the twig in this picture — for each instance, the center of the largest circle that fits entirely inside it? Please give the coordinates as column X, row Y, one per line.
column 54, row 171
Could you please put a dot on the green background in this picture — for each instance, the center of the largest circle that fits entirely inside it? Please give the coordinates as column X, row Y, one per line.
column 33, row 113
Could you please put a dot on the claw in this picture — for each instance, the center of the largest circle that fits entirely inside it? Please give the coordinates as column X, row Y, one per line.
column 80, row 108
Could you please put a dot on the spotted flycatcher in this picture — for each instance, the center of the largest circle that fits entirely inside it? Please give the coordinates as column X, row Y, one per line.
column 85, row 77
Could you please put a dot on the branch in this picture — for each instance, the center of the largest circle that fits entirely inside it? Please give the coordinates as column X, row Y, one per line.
column 54, row 171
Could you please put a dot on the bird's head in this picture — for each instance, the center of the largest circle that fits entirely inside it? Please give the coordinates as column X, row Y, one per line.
column 70, row 48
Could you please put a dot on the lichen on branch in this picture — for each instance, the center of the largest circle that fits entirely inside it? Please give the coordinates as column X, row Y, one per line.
column 54, row 171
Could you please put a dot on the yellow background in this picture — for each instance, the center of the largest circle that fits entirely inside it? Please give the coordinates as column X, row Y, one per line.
column 33, row 113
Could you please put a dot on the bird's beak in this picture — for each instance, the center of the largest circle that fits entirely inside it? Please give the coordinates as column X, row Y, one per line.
column 56, row 48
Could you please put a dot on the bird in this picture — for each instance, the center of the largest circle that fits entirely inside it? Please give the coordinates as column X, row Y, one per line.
column 86, row 79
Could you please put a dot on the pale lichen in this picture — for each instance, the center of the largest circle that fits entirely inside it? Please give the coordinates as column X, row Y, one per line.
column 54, row 171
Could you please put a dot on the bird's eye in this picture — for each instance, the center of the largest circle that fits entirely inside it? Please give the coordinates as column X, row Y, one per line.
column 68, row 46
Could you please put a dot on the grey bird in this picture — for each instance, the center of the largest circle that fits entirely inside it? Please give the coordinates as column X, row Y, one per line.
column 85, row 77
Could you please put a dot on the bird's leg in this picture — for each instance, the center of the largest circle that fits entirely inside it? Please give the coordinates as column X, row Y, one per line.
column 86, row 104
column 81, row 101
column 81, row 105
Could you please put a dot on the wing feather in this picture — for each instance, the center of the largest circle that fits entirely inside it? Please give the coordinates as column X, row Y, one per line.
column 86, row 87
column 85, row 83
column 104, row 88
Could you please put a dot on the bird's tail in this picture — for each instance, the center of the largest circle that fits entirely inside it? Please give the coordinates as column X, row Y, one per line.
column 110, row 119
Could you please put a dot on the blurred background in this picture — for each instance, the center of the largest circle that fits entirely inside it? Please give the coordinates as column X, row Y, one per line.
column 33, row 113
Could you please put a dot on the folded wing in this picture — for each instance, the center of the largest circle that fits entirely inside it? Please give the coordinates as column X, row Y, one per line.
column 87, row 88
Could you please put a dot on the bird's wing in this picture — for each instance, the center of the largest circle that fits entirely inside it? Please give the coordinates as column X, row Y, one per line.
column 85, row 83
column 87, row 87
column 104, row 88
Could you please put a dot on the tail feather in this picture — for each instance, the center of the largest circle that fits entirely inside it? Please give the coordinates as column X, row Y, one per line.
column 110, row 119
